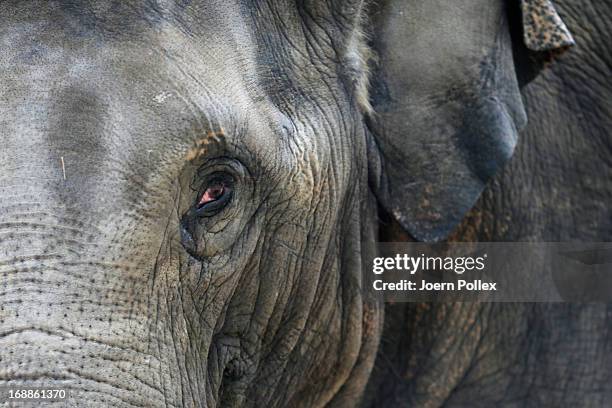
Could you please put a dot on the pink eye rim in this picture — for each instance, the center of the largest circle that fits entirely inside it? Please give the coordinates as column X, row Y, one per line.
column 215, row 196
column 211, row 194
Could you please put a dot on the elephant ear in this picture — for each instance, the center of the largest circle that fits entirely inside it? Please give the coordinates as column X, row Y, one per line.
column 539, row 37
column 543, row 29
column 446, row 103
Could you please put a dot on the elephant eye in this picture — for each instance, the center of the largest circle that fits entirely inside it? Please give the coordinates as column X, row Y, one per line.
column 215, row 196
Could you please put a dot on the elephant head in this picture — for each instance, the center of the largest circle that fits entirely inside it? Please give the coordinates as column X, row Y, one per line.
column 188, row 188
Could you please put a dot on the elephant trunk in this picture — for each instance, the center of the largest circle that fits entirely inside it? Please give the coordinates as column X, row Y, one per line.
column 69, row 319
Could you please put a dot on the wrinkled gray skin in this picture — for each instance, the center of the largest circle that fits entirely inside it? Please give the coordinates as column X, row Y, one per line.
column 113, row 119
column 108, row 286
column 556, row 187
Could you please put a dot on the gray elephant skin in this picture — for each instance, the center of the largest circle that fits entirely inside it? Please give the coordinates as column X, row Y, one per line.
column 189, row 190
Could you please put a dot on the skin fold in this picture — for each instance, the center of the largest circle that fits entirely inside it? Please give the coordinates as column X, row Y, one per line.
column 121, row 121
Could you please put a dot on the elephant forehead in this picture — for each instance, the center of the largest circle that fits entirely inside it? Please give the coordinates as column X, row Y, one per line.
column 136, row 103
column 156, row 82
column 120, row 20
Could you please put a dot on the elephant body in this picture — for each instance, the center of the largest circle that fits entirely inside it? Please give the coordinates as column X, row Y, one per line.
column 555, row 188
column 189, row 191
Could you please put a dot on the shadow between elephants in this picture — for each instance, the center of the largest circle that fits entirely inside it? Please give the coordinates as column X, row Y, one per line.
column 491, row 272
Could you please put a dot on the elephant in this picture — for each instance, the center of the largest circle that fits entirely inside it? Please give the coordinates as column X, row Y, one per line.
column 555, row 188
column 190, row 191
